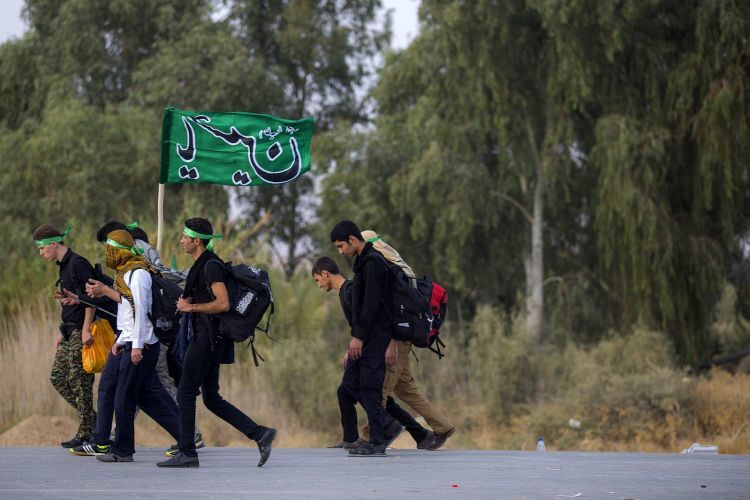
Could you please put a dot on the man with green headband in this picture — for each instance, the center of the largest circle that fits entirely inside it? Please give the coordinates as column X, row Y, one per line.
column 68, row 376
column 206, row 296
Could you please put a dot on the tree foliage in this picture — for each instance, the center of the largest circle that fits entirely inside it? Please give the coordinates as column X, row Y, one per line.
column 640, row 114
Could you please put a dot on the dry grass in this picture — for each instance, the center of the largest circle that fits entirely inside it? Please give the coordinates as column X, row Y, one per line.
column 27, row 347
column 636, row 410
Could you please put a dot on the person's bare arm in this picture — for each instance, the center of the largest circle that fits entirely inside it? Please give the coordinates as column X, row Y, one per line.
column 218, row 305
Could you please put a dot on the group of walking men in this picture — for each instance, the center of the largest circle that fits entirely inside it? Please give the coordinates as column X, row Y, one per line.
column 136, row 374
column 130, row 379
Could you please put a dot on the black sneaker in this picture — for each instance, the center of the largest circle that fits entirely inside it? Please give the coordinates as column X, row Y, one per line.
column 90, row 449
column 264, row 445
column 180, row 460
column 111, row 457
column 76, row 441
column 427, row 441
column 198, row 440
column 369, row 450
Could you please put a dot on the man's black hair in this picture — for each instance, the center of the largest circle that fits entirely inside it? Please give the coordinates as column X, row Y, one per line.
column 113, row 225
column 139, row 234
column 45, row 231
column 202, row 226
column 325, row 264
column 343, row 230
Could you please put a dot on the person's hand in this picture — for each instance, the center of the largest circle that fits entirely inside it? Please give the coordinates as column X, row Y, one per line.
column 183, row 304
column 117, row 349
column 69, row 298
column 136, row 355
column 345, row 359
column 59, row 339
column 58, row 295
column 355, row 348
column 391, row 353
column 86, row 337
column 95, row 288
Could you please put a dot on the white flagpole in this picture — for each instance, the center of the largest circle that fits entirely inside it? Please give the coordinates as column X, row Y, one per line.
column 160, row 218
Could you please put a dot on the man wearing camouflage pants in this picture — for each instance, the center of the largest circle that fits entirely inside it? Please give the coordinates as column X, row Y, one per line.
column 68, row 377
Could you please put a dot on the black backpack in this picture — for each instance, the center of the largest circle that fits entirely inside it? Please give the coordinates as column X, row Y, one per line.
column 410, row 310
column 250, row 297
column 164, row 315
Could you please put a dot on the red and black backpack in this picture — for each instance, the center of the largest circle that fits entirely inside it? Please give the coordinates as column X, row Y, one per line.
column 438, row 297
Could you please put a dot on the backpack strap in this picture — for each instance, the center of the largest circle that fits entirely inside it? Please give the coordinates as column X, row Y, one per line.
column 439, row 344
column 268, row 325
column 256, row 354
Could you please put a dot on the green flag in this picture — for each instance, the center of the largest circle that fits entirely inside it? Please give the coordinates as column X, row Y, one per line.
column 236, row 149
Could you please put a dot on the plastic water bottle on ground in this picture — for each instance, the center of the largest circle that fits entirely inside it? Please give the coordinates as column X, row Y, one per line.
column 540, row 444
column 701, row 449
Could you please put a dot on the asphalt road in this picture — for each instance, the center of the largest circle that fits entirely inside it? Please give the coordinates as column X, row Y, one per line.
column 52, row 473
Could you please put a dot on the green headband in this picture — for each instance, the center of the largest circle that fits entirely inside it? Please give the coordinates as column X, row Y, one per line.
column 132, row 225
column 133, row 250
column 53, row 239
column 193, row 234
column 374, row 239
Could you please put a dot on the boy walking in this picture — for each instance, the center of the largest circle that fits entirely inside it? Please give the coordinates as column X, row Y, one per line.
column 206, row 296
column 326, row 275
column 134, row 353
column 365, row 371
column 68, row 376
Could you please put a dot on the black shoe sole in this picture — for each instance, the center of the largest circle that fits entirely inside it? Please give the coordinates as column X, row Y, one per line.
column 192, row 465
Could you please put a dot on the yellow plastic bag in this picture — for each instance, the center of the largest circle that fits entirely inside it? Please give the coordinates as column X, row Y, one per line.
column 94, row 356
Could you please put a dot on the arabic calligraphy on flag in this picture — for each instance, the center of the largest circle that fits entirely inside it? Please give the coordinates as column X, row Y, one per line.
column 234, row 149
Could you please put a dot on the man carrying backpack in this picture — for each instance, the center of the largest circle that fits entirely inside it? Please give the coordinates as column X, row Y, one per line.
column 398, row 377
column 326, row 275
column 206, row 295
column 68, row 376
column 136, row 350
column 365, row 371
column 173, row 275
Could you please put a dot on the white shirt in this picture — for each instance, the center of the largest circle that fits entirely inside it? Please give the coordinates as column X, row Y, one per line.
column 138, row 330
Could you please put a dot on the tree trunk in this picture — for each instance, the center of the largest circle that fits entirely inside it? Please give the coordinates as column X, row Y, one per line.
column 535, row 263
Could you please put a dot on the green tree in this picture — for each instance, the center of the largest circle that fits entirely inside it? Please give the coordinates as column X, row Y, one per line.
column 666, row 86
column 317, row 54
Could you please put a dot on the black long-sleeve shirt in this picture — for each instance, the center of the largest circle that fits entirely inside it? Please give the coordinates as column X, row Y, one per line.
column 345, row 297
column 369, row 292
column 75, row 271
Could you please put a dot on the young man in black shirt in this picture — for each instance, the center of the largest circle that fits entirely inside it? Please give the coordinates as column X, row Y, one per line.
column 365, row 373
column 327, row 276
column 68, row 377
column 206, row 295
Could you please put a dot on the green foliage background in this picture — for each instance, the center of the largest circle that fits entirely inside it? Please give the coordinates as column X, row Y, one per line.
column 638, row 111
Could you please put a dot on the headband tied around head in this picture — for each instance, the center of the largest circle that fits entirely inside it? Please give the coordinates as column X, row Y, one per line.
column 194, row 234
column 53, row 239
column 133, row 250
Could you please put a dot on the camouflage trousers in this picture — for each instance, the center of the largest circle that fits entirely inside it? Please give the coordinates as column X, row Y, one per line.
column 73, row 383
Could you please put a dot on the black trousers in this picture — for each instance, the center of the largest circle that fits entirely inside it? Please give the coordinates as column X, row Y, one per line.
column 139, row 385
column 363, row 383
column 416, row 431
column 105, row 403
column 347, row 408
column 200, row 373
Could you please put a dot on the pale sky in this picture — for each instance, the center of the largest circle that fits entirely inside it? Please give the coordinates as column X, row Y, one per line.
column 404, row 20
